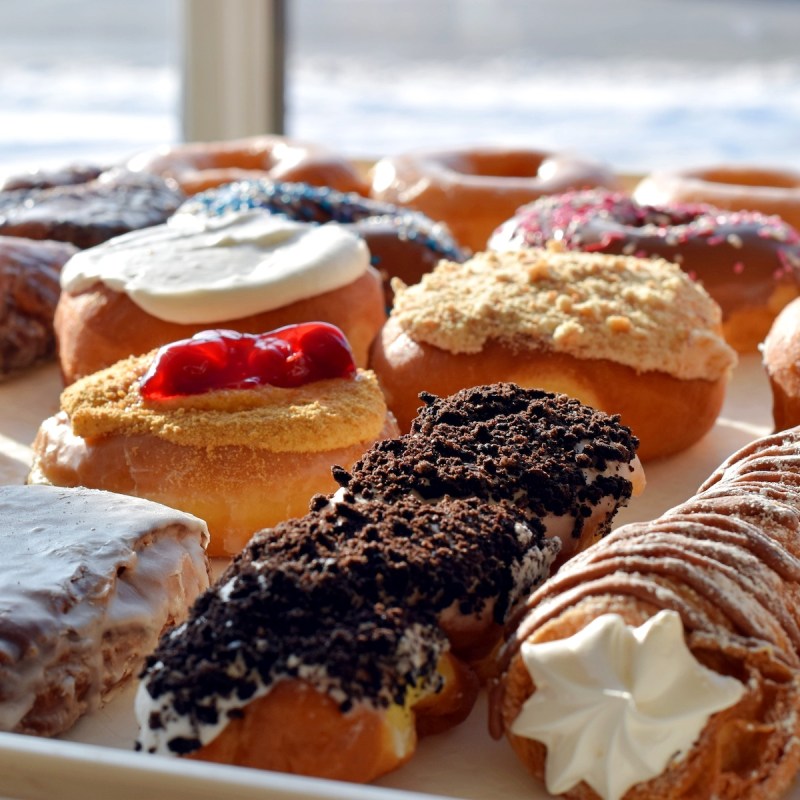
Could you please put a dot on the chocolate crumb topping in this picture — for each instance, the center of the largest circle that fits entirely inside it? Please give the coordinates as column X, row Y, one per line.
column 258, row 626
column 456, row 553
column 540, row 452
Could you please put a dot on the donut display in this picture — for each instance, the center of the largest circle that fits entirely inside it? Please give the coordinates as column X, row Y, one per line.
column 196, row 166
column 713, row 582
column 402, row 243
column 240, row 430
column 473, row 190
column 249, row 271
column 415, row 475
column 635, row 337
column 89, row 580
column 748, row 262
column 739, row 188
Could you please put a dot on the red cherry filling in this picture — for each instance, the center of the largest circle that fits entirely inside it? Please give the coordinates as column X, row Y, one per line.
column 220, row 359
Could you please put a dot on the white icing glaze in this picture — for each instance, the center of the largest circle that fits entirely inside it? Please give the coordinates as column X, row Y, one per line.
column 89, row 580
column 615, row 704
column 198, row 270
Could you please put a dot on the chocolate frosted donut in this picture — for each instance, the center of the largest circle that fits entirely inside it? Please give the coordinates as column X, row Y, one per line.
column 89, row 213
column 402, row 243
column 547, row 455
column 748, row 262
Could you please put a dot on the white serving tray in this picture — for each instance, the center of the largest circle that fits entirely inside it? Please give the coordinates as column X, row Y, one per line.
column 95, row 759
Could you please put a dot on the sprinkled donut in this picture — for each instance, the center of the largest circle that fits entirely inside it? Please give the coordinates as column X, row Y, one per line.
column 200, row 165
column 473, row 190
column 402, row 243
column 739, row 188
column 748, row 262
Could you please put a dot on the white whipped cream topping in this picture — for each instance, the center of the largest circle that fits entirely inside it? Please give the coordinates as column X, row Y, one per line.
column 197, row 269
column 615, row 704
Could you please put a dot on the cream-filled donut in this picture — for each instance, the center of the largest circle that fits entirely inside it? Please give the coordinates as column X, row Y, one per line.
column 247, row 271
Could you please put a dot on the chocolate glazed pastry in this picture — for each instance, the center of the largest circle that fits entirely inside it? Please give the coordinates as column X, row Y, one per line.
column 29, row 291
column 548, row 456
column 89, row 213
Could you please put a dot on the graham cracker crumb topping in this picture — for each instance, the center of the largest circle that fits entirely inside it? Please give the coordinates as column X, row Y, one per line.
column 318, row 416
column 644, row 313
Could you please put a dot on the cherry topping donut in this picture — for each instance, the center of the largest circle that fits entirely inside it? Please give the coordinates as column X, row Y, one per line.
column 288, row 357
column 740, row 188
column 473, row 190
column 748, row 262
column 402, row 243
column 200, row 165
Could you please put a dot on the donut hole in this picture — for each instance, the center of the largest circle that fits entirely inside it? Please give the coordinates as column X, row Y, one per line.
column 495, row 164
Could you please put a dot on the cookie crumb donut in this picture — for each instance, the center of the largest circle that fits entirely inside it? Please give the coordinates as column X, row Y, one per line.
column 248, row 271
column 555, row 461
column 197, row 166
column 748, row 262
column 629, row 336
column 473, row 190
column 739, row 188
column 239, row 430
column 89, row 580
column 781, row 356
column 88, row 213
column 402, row 243
column 29, row 290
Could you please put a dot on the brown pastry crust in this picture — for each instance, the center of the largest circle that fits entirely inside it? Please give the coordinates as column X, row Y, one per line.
column 100, row 326
column 781, row 354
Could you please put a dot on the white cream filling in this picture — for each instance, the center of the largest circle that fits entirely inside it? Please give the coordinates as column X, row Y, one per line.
column 615, row 704
column 201, row 270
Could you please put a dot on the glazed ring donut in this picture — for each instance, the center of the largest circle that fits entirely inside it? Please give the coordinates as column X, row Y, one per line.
column 200, row 165
column 741, row 188
column 748, row 262
column 473, row 190
column 402, row 243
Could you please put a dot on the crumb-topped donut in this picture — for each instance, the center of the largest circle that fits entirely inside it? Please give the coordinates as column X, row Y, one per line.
column 249, row 271
column 739, row 188
column 473, row 190
column 88, row 213
column 242, row 450
column 402, row 243
column 88, row 582
column 200, row 165
column 748, row 262
column 29, row 289
column 553, row 459
column 291, row 671
column 458, row 566
column 631, row 336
